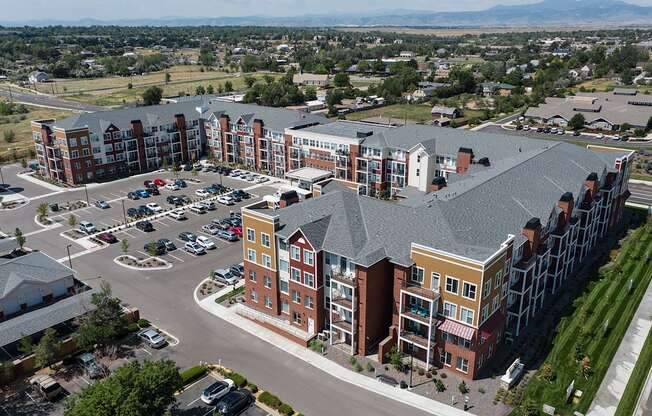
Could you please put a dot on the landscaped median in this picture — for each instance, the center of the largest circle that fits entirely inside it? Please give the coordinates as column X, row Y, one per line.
column 637, row 380
column 587, row 340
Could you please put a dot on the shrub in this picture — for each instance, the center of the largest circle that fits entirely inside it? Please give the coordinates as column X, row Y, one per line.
column 285, row 409
column 463, row 388
column 358, row 367
column 482, row 390
column 443, row 375
column 269, row 399
column 132, row 327
column 143, row 323
column 352, row 360
column 193, row 373
column 253, row 388
column 238, row 379
column 403, row 384
column 439, row 385
column 421, row 371
column 370, row 367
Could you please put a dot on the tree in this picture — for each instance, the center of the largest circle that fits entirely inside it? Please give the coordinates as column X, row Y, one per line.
column 151, row 248
column 395, row 358
column 228, row 86
column 20, row 238
column 42, row 210
column 210, row 89
column 104, row 324
column 310, row 94
column 341, row 80
column 48, row 348
column 363, row 66
column 26, row 346
column 200, row 90
column 9, row 136
column 168, row 77
column 577, row 122
column 625, row 127
column 626, row 76
column 152, row 95
column 72, row 220
column 136, row 389
column 124, row 245
column 249, row 81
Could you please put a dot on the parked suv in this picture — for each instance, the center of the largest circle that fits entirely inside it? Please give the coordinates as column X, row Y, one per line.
column 145, row 226
column 225, row 276
column 234, row 403
column 46, row 386
column 90, row 365
column 87, row 227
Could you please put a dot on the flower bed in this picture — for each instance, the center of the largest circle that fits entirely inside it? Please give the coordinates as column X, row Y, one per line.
column 150, row 263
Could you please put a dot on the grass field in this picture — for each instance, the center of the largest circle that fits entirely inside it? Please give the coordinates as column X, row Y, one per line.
column 595, row 326
column 601, row 84
column 20, row 124
column 636, row 380
column 413, row 112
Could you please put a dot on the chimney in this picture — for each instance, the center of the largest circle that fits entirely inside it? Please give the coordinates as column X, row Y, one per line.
column 464, row 159
column 592, row 183
column 438, row 183
column 565, row 204
column 288, row 198
column 532, row 231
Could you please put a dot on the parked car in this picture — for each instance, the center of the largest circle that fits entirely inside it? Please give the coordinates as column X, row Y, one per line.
column 169, row 245
column 234, row 403
column 262, row 179
column 181, row 183
column 209, row 205
column 198, row 209
column 526, row 127
column 142, row 193
column 202, row 193
column 147, row 183
column 174, row 200
column 46, row 386
column 153, row 338
column 144, row 210
column 154, row 207
column 211, row 229
column 172, row 187
column 145, row 226
column 159, row 182
column 227, row 235
column 217, row 390
column 223, row 224
column 132, row 212
column 107, row 238
column 87, row 227
column 187, row 236
column 194, row 248
column 132, row 195
column 102, row 204
column 89, row 364
column 225, row 199
column 240, row 193
column 206, row 242
column 237, row 269
column 185, row 199
column 177, row 214
column 187, row 167
column 158, row 249
column 236, row 230
column 153, row 190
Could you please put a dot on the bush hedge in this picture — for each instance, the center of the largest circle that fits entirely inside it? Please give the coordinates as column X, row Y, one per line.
column 238, row 379
column 132, row 327
column 143, row 323
column 253, row 388
column 193, row 373
column 269, row 399
column 285, row 409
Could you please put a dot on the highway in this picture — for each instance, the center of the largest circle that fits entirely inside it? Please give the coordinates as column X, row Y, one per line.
column 45, row 100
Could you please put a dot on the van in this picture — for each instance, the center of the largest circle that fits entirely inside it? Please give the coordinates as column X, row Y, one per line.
column 46, row 386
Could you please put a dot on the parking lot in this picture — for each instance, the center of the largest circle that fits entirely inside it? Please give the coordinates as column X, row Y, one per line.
column 189, row 402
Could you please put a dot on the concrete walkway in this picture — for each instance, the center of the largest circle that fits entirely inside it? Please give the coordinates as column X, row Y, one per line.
column 613, row 385
column 404, row 396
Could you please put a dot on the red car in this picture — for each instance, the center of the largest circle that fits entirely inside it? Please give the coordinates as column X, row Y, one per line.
column 236, row 230
column 108, row 238
column 159, row 182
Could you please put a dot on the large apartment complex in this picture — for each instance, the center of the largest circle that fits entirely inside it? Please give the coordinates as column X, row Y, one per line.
column 95, row 146
column 486, row 227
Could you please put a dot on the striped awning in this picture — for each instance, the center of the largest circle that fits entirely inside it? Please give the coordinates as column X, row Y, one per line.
column 455, row 328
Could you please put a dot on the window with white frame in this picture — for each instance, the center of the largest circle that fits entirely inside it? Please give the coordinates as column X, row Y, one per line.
column 499, row 276
column 450, row 310
column 503, row 291
column 254, row 295
column 452, row 285
column 267, row 281
column 284, row 286
column 462, row 364
column 434, row 281
column 283, row 265
column 495, row 303
column 285, row 307
column 308, row 279
column 268, row 302
column 417, row 275
column 252, row 275
column 295, row 253
column 468, row 290
column 267, row 260
column 264, row 239
column 446, row 358
column 251, row 255
column 296, row 296
column 295, row 275
column 296, row 318
column 485, row 313
column 308, row 302
column 308, row 257
column 487, row 288
column 251, row 235
column 466, row 315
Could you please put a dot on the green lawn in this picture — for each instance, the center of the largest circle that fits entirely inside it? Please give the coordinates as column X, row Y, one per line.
column 636, row 380
column 413, row 112
column 606, row 303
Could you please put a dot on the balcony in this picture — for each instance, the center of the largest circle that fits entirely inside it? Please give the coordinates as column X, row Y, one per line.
column 417, row 313
column 342, row 324
column 344, row 302
column 421, row 292
column 415, row 338
column 343, row 278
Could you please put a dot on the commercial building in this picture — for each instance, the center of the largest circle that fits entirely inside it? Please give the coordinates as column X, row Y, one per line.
column 103, row 145
column 601, row 110
column 447, row 273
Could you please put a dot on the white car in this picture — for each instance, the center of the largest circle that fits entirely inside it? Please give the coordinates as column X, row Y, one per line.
column 262, row 179
column 87, row 227
column 526, row 127
column 217, row 390
column 226, row 200
column 172, row 187
column 206, row 242
column 194, row 248
column 202, row 193
column 198, row 209
column 177, row 214
column 154, row 207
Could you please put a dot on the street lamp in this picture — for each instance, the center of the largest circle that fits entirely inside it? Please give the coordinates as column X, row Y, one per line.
column 69, row 258
column 124, row 215
column 86, row 190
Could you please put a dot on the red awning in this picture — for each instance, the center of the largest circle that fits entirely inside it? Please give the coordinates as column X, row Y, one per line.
column 492, row 324
column 455, row 328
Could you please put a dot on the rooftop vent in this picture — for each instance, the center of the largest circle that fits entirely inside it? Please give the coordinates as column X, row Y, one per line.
column 484, row 161
column 465, row 150
column 363, row 134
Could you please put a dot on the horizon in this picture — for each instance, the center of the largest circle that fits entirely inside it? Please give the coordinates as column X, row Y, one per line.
column 76, row 10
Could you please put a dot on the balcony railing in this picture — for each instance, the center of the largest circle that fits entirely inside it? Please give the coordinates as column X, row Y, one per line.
column 341, row 323
column 344, row 278
column 415, row 338
column 421, row 292
column 343, row 302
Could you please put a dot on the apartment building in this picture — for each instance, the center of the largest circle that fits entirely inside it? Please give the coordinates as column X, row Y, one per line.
column 103, row 145
column 447, row 274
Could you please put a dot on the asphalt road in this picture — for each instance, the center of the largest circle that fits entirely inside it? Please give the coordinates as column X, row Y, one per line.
column 166, row 298
column 48, row 100
column 641, row 194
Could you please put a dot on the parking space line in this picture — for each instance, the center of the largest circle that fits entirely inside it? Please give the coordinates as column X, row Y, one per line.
column 175, row 257
column 162, row 223
column 108, row 225
column 125, row 231
column 104, row 197
column 86, row 381
column 116, row 195
column 146, row 351
column 143, row 253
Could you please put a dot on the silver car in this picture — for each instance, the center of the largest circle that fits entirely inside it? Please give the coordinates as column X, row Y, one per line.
column 153, row 338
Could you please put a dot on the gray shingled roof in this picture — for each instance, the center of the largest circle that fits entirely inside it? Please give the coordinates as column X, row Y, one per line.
column 471, row 217
column 7, row 245
column 40, row 319
column 32, row 267
column 276, row 119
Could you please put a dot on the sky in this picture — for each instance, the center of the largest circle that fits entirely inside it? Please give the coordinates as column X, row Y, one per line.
column 23, row 10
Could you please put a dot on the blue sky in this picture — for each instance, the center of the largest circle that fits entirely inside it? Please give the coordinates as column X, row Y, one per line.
column 122, row 9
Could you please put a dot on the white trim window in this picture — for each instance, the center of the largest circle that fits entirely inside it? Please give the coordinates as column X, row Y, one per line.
column 253, row 295
column 295, row 274
column 462, row 364
column 485, row 313
column 497, row 279
column 487, row 289
column 417, row 275
column 308, row 302
column 468, row 290
column 264, row 239
column 283, row 266
column 267, row 282
column 295, row 253
column 308, row 279
column 495, row 303
column 251, row 235
column 452, row 285
column 296, row 296
column 284, row 286
column 268, row 302
column 446, row 358
column 467, row 315
column 434, row 281
column 267, row 261
column 450, row 310
column 251, row 255
column 309, row 257
column 285, row 307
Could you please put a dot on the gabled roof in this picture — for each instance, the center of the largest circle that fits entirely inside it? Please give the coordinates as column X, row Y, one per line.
column 35, row 267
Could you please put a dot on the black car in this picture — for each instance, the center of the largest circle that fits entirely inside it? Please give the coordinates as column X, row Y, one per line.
column 144, row 210
column 174, row 200
column 242, row 194
column 169, row 245
column 132, row 212
column 133, row 195
column 159, row 248
column 185, row 199
column 187, row 236
column 234, row 403
column 145, row 226
column 147, row 184
column 187, row 167
column 153, row 190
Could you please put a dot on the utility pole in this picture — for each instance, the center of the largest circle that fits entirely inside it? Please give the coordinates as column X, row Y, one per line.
column 11, row 96
column 86, row 190
column 124, row 215
column 411, row 364
column 69, row 259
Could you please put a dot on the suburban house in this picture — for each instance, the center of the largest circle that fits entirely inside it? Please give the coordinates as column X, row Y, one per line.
column 496, row 88
column 475, row 256
column 311, row 80
column 425, row 90
column 439, row 112
column 37, row 77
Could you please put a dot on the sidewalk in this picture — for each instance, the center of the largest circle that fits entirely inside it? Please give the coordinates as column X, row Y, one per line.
column 613, row 385
column 326, row 365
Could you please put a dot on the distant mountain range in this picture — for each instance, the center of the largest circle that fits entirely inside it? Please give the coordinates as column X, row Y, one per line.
column 545, row 13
